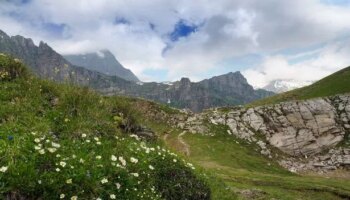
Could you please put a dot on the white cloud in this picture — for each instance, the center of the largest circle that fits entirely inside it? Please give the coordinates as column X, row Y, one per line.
column 330, row 58
column 228, row 28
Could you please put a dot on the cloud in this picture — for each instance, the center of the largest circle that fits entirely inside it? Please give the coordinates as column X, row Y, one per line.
column 139, row 33
column 327, row 60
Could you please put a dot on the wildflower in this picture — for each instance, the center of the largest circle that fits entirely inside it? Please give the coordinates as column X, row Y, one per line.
column 83, row 135
column 118, row 185
column 113, row 158
column 62, row 196
column 98, row 143
column 174, row 160
column 42, row 151
column 104, row 180
column 58, row 155
column 98, row 157
column 122, row 160
column 88, row 141
column 74, row 198
column 58, row 169
column 96, row 139
column 81, row 160
column 63, row 164
column 3, row 169
column 112, row 196
column 56, row 145
column 66, row 120
column 74, row 156
column 39, row 181
column 37, row 147
column 33, row 133
column 98, row 198
column 151, row 167
column 135, row 174
column 133, row 160
column 37, row 140
column 52, row 150
column 69, row 181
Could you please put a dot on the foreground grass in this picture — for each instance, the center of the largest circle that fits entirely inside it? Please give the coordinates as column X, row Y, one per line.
column 337, row 83
column 241, row 168
column 63, row 142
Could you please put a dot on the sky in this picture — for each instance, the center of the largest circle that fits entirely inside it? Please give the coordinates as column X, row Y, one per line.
column 164, row 40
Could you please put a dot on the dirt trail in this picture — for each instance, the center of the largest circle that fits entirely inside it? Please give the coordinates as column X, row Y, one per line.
column 186, row 147
column 177, row 142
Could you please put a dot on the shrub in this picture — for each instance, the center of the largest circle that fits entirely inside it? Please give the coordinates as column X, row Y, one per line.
column 11, row 69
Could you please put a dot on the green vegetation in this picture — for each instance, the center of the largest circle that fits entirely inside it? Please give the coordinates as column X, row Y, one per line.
column 59, row 141
column 337, row 83
column 248, row 175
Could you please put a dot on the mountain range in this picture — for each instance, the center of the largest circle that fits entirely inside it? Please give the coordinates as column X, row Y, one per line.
column 225, row 90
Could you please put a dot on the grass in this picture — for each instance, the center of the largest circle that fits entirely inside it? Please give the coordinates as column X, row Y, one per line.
column 240, row 167
column 62, row 142
column 337, row 83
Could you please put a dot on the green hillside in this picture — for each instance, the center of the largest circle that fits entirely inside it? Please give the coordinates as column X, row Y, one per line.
column 64, row 142
column 337, row 83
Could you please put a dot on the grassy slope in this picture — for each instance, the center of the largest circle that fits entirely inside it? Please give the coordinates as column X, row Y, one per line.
column 58, row 139
column 240, row 167
column 337, row 83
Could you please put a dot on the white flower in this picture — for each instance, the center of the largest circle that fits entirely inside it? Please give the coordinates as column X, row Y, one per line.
column 58, row 169
column 174, row 160
column 98, row 198
column 88, row 141
column 74, row 156
column 81, row 160
column 74, row 198
column 133, row 160
column 98, row 143
column 112, row 196
column 39, row 181
column 37, row 140
column 58, row 155
column 122, row 160
column 62, row 196
column 118, row 185
column 33, row 133
column 98, row 157
column 151, row 167
column 52, row 150
column 135, row 174
column 56, row 145
column 96, row 139
column 37, row 147
column 3, row 169
column 83, row 135
column 63, row 164
column 104, row 180
column 42, row 151
column 113, row 158
column 69, row 181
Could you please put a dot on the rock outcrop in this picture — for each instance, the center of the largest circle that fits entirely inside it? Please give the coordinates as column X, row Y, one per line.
column 300, row 129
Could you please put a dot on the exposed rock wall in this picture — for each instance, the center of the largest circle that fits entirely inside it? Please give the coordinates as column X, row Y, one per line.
column 298, row 128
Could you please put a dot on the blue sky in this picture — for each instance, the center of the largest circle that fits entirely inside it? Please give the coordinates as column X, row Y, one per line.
column 164, row 40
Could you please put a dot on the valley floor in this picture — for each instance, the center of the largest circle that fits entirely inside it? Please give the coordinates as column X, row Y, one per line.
column 236, row 171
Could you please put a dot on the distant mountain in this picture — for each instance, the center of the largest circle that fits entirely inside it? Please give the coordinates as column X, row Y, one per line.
column 104, row 62
column 47, row 63
column 279, row 86
column 334, row 84
column 225, row 90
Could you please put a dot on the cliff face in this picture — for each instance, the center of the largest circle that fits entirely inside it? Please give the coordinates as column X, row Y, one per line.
column 104, row 62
